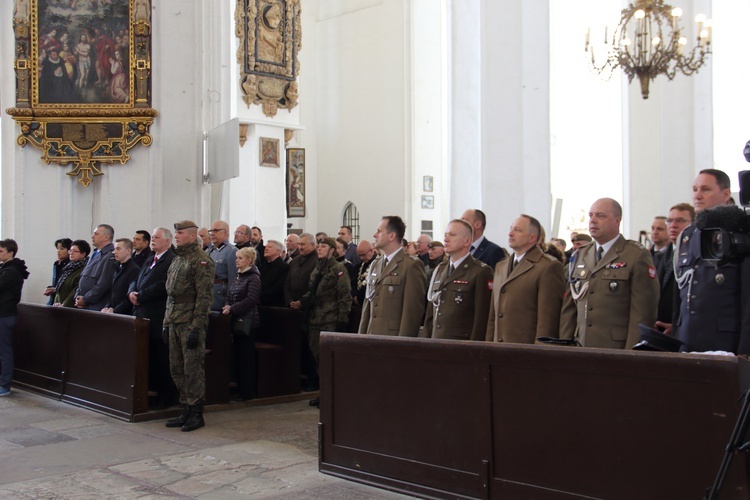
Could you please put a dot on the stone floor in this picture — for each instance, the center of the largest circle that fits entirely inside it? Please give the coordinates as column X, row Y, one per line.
column 52, row 450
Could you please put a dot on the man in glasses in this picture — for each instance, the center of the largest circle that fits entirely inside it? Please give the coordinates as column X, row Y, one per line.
column 680, row 216
column 223, row 255
column 242, row 236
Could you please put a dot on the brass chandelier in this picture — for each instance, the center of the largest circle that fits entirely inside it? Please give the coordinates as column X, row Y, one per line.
column 649, row 42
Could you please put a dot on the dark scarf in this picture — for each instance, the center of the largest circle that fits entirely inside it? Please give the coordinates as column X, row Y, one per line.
column 69, row 269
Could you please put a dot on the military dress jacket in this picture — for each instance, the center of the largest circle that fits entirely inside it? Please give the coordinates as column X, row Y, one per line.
column 714, row 302
column 225, row 264
column 395, row 297
column 458, row 303
column 189, row 288
column 526, row 301
column 605, row 302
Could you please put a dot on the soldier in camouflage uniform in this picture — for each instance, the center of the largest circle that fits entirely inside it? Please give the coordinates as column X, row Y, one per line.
column 189, row 296
column 327, row 304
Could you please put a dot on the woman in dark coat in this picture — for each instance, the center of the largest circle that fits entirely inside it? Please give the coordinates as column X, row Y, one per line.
column 242, row 304
column 67, row 282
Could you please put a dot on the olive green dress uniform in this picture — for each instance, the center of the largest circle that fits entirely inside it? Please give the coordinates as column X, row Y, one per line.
column 526, row 301
column 332, row 302
column 605, row 302
column 395, row 297
column 458, row 302
column 189, row 296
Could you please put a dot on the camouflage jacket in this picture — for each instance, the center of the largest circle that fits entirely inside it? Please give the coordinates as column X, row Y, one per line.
column 333, row 300
column 190, row 287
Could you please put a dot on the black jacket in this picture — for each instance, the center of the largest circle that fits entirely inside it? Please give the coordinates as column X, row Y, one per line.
column 124, row 275
column 244, row 295
column 272, row 277
column 152, row 293
column 12, row 274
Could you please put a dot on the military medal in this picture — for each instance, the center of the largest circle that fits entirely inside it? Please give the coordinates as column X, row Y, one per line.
column 390, row 289
column 719, row 279
column 685, row 239
column 582, row 274
column 613, row 286
column 459, row 298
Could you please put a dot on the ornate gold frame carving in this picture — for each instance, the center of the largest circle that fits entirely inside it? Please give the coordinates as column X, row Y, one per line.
column 61, row 110
column 270, row 33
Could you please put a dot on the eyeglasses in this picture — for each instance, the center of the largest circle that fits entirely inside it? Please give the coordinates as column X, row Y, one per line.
column 237, row 233
column 678, row 221
column 215, row 230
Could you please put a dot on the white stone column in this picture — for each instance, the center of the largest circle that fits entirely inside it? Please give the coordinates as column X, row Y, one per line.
column 500, row 111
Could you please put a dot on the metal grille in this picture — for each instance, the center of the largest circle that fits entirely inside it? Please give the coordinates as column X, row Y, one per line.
column 351, row 219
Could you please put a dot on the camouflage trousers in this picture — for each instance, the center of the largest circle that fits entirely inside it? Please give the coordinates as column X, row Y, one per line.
column 187, row 365
column 314, row 337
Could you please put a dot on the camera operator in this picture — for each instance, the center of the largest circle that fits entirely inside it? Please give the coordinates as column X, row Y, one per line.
column 713, row 296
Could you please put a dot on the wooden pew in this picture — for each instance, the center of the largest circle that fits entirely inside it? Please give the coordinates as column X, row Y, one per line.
column 454, row 419
column 278, row 351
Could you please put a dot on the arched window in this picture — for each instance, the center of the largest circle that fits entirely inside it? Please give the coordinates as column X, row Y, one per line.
column 351, row 219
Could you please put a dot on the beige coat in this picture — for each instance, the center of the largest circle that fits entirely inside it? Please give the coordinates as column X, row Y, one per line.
column 463, row 300
column 526, row 302
column 395, row 297
column 605, row 302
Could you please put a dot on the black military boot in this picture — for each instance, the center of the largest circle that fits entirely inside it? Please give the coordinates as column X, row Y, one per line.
column 195, row 420
column 180, row 421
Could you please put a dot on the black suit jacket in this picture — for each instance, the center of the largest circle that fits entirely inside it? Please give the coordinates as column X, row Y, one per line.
column 665, row 273
column 489, row 253
column 124, row 275
column 152, row 292
column 146, row 255
column 272, row 280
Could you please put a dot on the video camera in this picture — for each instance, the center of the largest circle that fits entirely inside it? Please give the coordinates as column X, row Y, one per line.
column 725, row 230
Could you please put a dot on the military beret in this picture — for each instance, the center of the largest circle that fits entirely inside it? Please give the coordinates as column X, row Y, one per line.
column 435, row 244
column 581, row 237
column 185, row 224
column 327, row 241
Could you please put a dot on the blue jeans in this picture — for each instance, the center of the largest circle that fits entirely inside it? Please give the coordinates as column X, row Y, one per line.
column 7, row 323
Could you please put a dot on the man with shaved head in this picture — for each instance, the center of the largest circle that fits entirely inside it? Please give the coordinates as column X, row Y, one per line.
column 612, row 285
column 482, row 248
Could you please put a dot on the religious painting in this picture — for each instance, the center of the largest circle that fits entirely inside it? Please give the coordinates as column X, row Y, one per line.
column 83, row 78
column 269, row 152
column 427, row 183
column 428, row 201
column 270, row 37
column 295, row 182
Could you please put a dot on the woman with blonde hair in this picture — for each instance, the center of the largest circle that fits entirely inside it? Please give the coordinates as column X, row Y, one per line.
column 242, row 304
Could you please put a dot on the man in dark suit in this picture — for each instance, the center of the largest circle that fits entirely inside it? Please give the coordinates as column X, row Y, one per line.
column 148, row 295
column 141, row 247
column 662, row 253
column 482, row 248
column 95, row 284
column 396, row 286
column 345, row 233
column 527, row 293
column 459, row 291
column 126, row 271
column 256, row 241
column 680, row 216
column 273, row 276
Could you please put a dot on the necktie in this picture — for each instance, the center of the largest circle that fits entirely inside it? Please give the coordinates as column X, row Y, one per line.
column 385, row 262
column 599, row 253
column 153, row 263
column 511, row 265
column 451, row 269
column 471, row 251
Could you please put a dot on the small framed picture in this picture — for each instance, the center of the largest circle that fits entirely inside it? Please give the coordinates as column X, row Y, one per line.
column 427, row 183
column 269, row 152
column 428, row 201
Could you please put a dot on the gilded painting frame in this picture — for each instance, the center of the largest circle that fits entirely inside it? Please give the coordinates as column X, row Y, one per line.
column 83, row 81
column 270, row 38
column 295, row 182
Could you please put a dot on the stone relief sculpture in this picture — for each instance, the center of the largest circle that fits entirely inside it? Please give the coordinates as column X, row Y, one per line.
column 270, row 36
